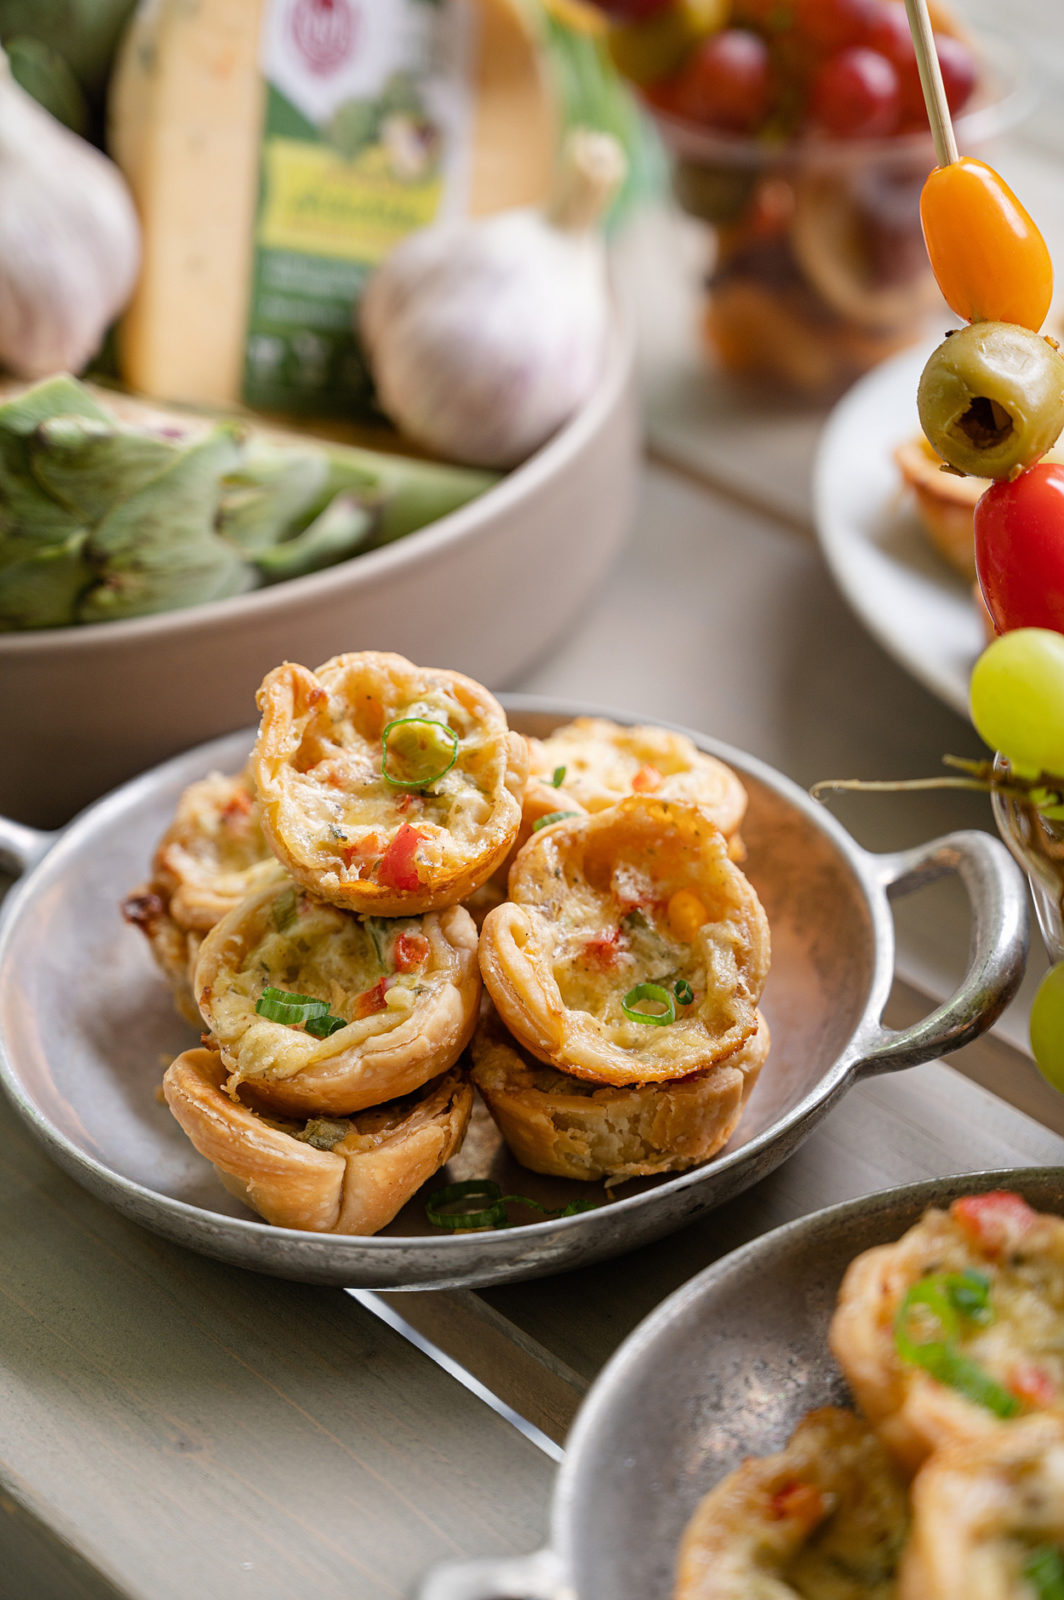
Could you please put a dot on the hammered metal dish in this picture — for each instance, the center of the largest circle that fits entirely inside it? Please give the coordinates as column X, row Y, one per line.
column 723, row 1369
column 86, row 1026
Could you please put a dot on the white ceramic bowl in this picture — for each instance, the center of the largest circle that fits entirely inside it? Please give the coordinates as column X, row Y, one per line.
column 483, row 591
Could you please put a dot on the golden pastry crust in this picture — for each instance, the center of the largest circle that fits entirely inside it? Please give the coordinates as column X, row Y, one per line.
column 824, row 1517
column 595, row 911
column 175, row 949
column 407, row 988
column 572, row 1128
column 355, row 1176
column 1020, row 1253
column 982, row 1509
column 210, row 858
column 338, row 824
column 945, row 502
column 214, row 853
column 605, row 762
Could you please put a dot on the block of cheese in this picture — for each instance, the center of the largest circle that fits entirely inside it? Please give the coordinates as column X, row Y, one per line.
column 277, row 148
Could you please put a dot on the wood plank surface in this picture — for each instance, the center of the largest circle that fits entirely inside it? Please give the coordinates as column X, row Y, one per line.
column 176, row 1427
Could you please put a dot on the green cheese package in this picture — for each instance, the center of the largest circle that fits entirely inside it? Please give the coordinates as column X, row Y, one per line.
column 106, row 515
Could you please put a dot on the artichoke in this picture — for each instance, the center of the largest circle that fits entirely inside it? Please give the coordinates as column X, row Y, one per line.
column 103, row 517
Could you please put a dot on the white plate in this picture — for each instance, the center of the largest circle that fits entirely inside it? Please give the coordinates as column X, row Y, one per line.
column 910, row 601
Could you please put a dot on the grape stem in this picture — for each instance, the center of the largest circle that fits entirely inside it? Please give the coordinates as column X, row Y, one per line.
column 1044, row 792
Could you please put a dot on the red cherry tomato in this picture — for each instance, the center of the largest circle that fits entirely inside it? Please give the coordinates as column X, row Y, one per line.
column 855, row 95
column 833, row 25
column 726, row 83
column 397, row 868
column 1019, row 549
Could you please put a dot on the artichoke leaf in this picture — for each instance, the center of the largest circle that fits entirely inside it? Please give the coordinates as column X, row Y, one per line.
column 412, row 493
column 88, row 466
column 41, row 587
column 271, row 493
column 170, row 521
column 25, row 508
column 342, row 528
column 198, row 574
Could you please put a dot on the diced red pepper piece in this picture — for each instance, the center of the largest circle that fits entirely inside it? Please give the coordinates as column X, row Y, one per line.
column 996, row 1222
column 371, row 1001
column 646, row 780
column 1033, row 1385
column 237, row 807
column 411, row 951
column 396, row 868
column 602, row 951
column 797, row 1502
column 361, row 851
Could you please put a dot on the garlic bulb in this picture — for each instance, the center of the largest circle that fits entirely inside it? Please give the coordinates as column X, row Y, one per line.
column 484, row 336
column 69, row 239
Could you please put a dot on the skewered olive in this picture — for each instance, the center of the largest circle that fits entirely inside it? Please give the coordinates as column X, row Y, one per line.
column 991, row 398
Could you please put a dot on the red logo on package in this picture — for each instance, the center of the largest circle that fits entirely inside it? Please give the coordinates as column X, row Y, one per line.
column 325, row 32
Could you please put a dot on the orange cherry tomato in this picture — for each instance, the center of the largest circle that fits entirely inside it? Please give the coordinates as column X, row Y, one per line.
column 990, row 260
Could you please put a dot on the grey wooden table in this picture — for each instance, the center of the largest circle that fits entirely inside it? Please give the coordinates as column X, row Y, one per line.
column 175, row 1428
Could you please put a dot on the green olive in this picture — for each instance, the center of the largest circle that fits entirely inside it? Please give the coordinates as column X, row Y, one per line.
column 991, row 398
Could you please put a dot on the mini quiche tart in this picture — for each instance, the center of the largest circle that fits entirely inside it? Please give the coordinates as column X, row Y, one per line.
column 214, row 853
column 825, row 1519
column 386, row 787
column 396, row 999
column 956, row 1327
column 631, row 950
column 325, row 1174
column 175, row 949
column 597, row 763
column 572, row 1128
column 988, row 1517
column 210, row 858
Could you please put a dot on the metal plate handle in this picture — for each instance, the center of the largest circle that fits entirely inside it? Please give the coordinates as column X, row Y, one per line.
column 997, row 955
column 21, row 847
column 533, row 1577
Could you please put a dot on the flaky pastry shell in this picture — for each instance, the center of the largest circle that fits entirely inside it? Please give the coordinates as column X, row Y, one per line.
column 407, row 988
column 572, row 1128
column 214, row 853
column 825, row 1516
column 981, row 1507
column 604, row 761
column 588, row 920
column 332, row 816
column 1021, row 1253
column 212, row 856
column 175, row 949
column 355, row 1175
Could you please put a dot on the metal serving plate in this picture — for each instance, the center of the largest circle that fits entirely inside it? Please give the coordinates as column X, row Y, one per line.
column 722, row 1370
column 87, row 1026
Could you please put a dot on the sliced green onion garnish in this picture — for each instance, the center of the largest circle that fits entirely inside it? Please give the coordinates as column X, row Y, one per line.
column 280, row 1006
column 655, row 995
column 431, row 750
column 969, row 1293
column 284, row 909
column 683, row 992
column 945, row 1297
column 557, row 777
column 1044, row 1571
column 455, row 1206
column 324, row 1027
column 552, row 816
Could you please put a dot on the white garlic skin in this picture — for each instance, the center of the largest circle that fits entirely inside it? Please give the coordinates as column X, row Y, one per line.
column 484, row 337
column 69, row 240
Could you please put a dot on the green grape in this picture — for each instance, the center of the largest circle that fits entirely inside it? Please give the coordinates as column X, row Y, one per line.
column 1047, row 1027
column 1017, row 698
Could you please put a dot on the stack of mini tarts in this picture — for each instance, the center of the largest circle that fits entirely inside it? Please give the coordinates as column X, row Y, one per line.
column 625, row 971
column 341, row 987
column 950, row 1338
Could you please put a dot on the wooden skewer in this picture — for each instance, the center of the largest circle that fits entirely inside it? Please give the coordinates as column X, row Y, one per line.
column 931, row 82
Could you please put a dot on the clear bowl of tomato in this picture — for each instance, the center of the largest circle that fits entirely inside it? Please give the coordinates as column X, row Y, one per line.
column 799, row 136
